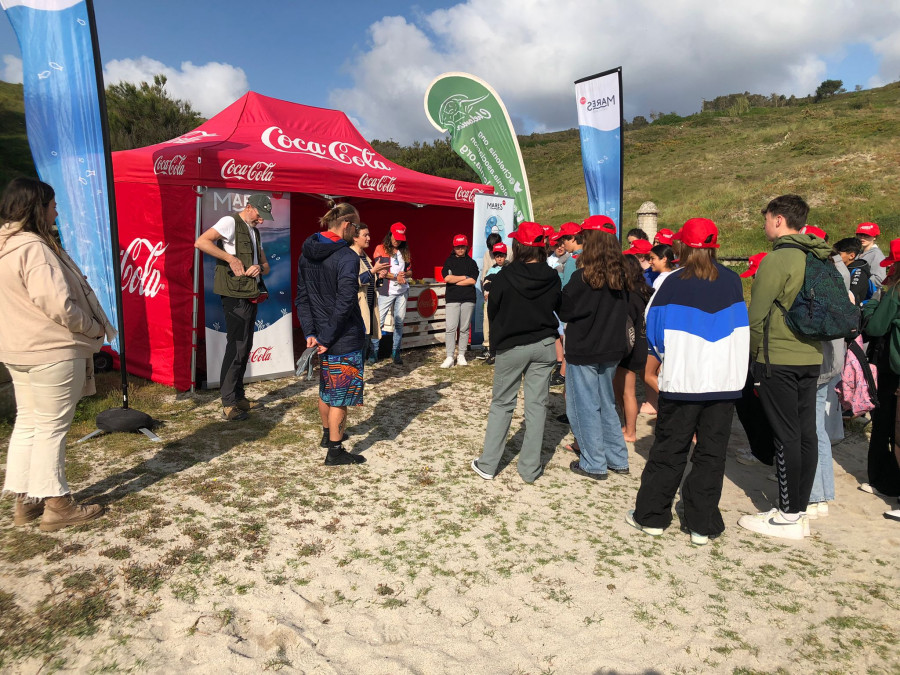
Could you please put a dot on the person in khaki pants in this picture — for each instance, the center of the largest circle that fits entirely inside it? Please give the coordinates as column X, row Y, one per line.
column 48, row 351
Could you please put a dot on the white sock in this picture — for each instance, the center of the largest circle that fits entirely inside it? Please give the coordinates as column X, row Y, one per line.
column 792, row 517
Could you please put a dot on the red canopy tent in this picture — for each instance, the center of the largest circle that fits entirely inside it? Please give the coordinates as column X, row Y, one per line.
column 257, row 143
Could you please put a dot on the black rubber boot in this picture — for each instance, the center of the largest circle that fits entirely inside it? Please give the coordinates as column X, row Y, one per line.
column 337, row 456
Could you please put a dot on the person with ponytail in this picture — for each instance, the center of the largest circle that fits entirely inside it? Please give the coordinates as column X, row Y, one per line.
column 393, row 294
column 54, row 325
column 698, row 333
column 328, row 307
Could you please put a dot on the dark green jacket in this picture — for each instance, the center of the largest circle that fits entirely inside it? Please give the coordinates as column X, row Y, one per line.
column 224, row 281
column 882, row 317
column 780, row 277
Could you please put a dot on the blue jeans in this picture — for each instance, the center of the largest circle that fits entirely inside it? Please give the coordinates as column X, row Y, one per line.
column 591, row 407
column 398, row 302
column 823, row 483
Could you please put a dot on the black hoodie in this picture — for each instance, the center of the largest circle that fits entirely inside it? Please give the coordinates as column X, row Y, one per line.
column 327, row 301
column 521, row 304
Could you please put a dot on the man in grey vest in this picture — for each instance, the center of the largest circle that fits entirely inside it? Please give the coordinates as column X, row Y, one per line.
column 240, row 263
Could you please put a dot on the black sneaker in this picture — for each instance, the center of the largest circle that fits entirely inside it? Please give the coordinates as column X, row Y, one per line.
column 337, row 456
column 621, row 472
column 397, row 358
column 489, row 361
column 326, row 441
column 576, row 468
column 557, row 380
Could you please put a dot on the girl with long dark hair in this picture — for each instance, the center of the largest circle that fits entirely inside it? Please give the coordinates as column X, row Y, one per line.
column 393, row 294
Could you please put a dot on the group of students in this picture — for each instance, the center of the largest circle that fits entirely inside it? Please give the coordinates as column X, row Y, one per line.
column 698, row 344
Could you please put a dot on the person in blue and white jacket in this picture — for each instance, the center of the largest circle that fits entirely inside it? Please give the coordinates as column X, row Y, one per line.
column 698, row 330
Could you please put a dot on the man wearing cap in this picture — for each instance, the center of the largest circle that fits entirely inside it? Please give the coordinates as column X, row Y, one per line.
column 866, row 233
column 235, row 243
column 570, row 236
column 460, row 274
column 786, row 366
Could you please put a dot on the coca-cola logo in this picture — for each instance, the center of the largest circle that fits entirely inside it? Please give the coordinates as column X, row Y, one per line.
column 339, row 151
column 377, row 183
column 463, row 195
column 261, row 172
column 261, row 354
column 427, row 303
column 193, row 137
column 171, row 166
column 138, row 267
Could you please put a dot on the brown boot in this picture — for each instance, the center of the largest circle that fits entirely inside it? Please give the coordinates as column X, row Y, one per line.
column 60, row 512
column 234, row 414
column 246, row 405
column 26, row 512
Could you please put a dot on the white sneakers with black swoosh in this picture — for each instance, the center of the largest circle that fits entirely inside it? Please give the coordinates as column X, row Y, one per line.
column 774, row 524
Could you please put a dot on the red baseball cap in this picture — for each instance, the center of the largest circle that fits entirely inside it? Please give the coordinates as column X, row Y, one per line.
column 895, row 254
column 399, row 231
column 754, row 264
column 814, row 231
column 870, row 229
column 698, row 233
column 529, row 234
column 664, row 236
column 568, row 230
column 500, row 247
column 548, row 231
column 600, row 224
column 460, row 240
column 639, row 247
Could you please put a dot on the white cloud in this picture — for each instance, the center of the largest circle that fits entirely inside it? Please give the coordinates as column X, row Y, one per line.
column 672, row 54
column 11, row 69
column 208, row 88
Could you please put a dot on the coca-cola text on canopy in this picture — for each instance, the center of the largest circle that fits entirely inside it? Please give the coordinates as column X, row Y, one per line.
column 377, row 183
column 466, row 195
column 169, row 166
column 339, row 151
column 261, row 172
column 138, row 267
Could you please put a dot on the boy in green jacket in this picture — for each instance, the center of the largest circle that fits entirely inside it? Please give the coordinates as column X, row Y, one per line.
column 786, row 370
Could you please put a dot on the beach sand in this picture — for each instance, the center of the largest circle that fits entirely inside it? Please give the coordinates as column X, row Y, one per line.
column 231, row 548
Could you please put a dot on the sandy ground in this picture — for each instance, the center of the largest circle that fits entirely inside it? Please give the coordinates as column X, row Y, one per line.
column 231, row 548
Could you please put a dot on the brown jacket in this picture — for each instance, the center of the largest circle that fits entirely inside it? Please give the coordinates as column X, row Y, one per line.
column 46, row 313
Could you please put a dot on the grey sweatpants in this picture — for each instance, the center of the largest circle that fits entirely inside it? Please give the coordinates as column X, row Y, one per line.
column 459, row 316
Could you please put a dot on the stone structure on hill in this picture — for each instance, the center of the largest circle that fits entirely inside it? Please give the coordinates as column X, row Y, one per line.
column 648, row 216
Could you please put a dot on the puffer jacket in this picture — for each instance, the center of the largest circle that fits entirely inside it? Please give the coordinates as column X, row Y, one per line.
column 327, row 302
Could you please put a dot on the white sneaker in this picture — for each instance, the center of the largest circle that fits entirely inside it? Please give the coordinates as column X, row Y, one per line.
column 812, row 511
column 822, row 508
column 893, row 515
column 461, row 360
column 481, row 473
column 652, row 531
column 744, row 456
column 773, row 524
column 699, row 539
column 447, row 362
column 865, row 487
column 805, row 520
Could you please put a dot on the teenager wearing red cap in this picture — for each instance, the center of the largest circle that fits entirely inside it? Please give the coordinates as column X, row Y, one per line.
column 664, row 236
column 500, row 255
column 460, row 274
column 697, row 329
column 393, row 293
column 882, row 318
column 521, row 306
column 867, row 233
column 595, row 309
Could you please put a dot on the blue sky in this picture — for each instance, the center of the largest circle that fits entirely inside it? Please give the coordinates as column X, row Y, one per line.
column 374, row 60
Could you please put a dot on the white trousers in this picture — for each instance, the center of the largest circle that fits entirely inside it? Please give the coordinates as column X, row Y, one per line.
column 45, row 405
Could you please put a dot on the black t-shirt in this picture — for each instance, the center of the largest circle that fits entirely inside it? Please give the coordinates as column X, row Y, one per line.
column 463, row 267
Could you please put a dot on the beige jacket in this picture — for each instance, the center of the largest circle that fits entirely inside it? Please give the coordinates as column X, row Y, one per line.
column 49, row 312
column 371, row 331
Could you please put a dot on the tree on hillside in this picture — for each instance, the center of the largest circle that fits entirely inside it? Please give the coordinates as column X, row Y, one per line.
column 829, row 88
column 144, row 114
column 436, row 159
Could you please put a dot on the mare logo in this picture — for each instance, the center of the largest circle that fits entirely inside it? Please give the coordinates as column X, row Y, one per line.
column 457, row 112
column 599, row 103
column 138, row 261
column 193, row 137
column 497, row 206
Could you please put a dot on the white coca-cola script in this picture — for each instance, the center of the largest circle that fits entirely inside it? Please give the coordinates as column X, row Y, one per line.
column 339, row 151
column 377, row 183
column 169, row 166
column 258, row 171
column 138, row 261
column 466, row 195
column 261, row 354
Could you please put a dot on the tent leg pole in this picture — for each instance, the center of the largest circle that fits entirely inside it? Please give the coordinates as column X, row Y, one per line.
column 194, row 337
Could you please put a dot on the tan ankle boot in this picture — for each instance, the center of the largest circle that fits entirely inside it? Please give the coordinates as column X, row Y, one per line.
column 60, row 512
column 26, row 512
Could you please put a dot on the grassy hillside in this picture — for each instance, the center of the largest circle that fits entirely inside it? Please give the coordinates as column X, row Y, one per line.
column 841, row 155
